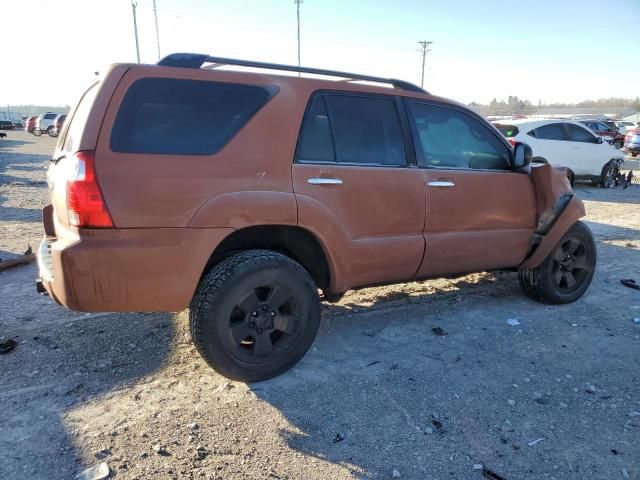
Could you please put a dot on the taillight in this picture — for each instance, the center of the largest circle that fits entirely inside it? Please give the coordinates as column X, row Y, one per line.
column 85, row 204
column 512, row 142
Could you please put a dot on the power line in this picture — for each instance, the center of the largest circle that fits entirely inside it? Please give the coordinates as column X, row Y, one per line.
column 425, row 49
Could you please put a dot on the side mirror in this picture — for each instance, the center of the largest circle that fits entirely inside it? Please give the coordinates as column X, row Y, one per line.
column 599, row 140
column 522, row 155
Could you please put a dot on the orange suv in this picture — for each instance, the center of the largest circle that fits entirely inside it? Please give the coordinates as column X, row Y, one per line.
column 241, row 195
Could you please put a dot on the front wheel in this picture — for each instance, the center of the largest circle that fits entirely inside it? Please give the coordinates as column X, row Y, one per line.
column 254, row 315
column 565, row 275
column 608, row 177
column 53, row 132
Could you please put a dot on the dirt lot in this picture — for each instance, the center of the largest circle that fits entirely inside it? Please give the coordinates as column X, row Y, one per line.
column 379, row 395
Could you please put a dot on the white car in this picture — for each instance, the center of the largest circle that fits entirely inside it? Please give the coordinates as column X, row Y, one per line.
column 567, row 143
column 45, row 121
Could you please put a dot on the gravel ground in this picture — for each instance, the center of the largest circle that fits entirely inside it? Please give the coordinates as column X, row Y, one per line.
column 555, row 396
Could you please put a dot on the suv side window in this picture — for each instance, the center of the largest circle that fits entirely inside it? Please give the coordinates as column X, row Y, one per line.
column 553, row 131
column 50, row 116
column 450, row 138
column 579, row 134
column 184, row 117
column 352, row 129
column 316, row 143
column 366, row 130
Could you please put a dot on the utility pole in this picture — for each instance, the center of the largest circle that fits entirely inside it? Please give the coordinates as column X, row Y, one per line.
column 155, row 14
column 298, row 2
column 135, row 28
column 425, row 50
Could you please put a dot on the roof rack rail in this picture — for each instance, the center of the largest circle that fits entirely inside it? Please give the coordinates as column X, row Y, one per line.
column 197, row 60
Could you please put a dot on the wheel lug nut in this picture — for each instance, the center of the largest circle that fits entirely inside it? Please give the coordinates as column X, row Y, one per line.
column 254, row 314
column 273, row 314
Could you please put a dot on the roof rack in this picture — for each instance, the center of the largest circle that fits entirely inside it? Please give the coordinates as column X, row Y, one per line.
column 197, row 60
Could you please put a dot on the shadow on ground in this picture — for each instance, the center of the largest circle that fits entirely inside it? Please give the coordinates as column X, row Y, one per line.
column 20, row 174
column 380, row 391
column 61, row 366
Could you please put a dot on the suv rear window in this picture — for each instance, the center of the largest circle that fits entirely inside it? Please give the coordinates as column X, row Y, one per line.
column 507, row 130
column 184, row 117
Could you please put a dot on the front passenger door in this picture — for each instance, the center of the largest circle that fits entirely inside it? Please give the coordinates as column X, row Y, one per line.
column 480, row 213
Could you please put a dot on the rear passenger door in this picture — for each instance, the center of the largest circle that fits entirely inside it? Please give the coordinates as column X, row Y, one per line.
column 358, row 188
column 552, row 145
column 480, row 214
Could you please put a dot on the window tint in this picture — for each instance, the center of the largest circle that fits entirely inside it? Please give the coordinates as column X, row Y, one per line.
column 315, row 141
column 450, row 138
column 553, row 131
column 366, row 130
column 188, row 117
column 50, row 116
column 579, row 134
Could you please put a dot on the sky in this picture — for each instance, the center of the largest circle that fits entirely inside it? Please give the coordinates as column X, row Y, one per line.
column 546, row 50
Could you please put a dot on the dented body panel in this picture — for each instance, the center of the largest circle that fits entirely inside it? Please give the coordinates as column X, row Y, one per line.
column 557, row 209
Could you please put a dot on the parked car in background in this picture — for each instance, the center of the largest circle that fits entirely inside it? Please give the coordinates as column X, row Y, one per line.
column 260, row 190
column 18, row 124
column 632, row 143
column 567, row 143
column 602, row 129
column 627, row 125
column 54, row 131
column 30, row 124
column 6, row 125
column 45, row 121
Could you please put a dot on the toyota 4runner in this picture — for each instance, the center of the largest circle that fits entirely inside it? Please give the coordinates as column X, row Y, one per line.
column 242, row 195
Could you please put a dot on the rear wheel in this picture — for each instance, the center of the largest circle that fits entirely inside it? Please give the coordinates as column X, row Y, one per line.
column 37, row 132
column 566, row 273
column 254, row 315
column 52, row 132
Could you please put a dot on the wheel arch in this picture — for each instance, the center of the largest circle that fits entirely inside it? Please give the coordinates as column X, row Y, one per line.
column 295, row 242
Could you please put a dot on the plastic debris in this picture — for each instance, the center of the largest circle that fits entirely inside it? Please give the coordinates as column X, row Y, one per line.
column 513, row 322
column 97, row 472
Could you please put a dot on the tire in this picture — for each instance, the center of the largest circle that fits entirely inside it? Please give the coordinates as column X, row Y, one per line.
column 254, row 315
column 634, row 154
column 608, row 177
column 37, row 132
column 572, row 260
column 52, row 132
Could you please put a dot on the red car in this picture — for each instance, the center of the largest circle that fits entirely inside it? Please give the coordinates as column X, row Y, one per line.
column 30, row 124
column 603, row 130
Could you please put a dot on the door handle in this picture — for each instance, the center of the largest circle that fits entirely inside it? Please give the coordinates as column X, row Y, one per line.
column 324, row 181
column 441, row 183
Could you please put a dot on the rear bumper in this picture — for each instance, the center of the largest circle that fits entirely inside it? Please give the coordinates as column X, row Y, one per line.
column 128, row 269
